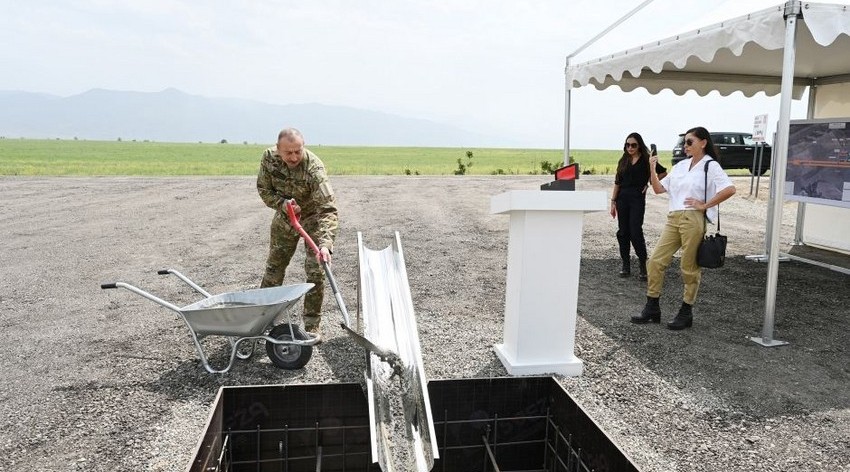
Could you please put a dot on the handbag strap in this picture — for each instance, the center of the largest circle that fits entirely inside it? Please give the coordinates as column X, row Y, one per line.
column 705, row 199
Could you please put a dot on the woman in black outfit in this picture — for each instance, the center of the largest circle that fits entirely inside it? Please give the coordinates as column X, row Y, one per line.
column 628, row 200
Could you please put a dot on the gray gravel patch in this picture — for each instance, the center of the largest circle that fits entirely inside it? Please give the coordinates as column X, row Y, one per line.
column 99, row 380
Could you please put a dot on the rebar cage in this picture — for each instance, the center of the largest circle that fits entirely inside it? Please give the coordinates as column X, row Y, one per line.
column 490, row 425
column 517, row 424
column 291, row 428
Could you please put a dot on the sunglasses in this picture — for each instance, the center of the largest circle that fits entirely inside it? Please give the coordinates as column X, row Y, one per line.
column 689, row 142
column 631, row 145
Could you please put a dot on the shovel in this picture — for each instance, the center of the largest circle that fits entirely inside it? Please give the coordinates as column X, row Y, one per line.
column 385, row 355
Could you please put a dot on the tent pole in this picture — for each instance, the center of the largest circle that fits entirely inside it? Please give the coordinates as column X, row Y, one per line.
column 798, row 226
column 568, row 86
column 813, row 97
column 771, row 197
column 792, row 11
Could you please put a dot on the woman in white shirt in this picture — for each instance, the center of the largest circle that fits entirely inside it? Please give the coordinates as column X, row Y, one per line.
column 685, row 228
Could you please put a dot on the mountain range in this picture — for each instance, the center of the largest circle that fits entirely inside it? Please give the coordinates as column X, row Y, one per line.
column 175, row 116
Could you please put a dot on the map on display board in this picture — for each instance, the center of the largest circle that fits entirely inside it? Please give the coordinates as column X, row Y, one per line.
column 818, row 169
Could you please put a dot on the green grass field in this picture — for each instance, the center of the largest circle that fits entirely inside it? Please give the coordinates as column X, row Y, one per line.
column 32, row 157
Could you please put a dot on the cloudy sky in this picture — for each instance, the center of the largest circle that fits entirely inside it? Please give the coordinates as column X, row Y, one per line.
column 490, row 66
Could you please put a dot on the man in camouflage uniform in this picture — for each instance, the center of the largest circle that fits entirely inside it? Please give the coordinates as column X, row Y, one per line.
column 289, row 171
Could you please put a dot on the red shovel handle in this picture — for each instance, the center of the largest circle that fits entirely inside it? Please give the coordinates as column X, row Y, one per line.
column 293, row 220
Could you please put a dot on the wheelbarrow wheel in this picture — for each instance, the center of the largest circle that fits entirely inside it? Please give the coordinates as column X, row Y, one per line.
column 288, row 356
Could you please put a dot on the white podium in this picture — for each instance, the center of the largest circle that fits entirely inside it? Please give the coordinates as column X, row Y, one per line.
column 544, row 252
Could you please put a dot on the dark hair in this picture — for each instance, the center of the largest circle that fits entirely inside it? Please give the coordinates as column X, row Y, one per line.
column 625, row 161
column 703, row 133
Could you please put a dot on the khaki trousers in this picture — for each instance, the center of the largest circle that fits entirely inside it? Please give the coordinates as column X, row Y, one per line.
column 684, row 229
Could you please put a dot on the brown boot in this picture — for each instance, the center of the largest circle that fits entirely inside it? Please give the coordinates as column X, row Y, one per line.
column 312, row 327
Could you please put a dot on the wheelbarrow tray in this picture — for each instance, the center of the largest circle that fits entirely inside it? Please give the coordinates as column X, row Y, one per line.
column 242, row 314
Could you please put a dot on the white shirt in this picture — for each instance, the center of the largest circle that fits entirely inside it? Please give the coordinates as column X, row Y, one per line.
column 683, row 182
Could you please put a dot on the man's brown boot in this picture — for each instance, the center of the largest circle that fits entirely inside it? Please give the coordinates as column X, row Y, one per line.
column 312, row 327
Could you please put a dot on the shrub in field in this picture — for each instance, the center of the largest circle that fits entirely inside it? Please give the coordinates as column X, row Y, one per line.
column 461, row 167
column 547, row 167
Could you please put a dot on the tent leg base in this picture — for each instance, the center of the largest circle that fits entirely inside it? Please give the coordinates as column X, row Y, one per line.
column 765, row 257
column 768, row 343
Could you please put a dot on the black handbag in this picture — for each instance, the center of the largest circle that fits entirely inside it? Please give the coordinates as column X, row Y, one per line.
column 712, row 249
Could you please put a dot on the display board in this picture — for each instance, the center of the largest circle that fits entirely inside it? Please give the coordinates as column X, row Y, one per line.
column 818, row 169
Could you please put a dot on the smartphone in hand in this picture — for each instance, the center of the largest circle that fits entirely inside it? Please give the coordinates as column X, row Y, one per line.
column 653, row 151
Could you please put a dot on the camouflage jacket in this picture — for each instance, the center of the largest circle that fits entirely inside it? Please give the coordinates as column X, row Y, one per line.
column 308, row 184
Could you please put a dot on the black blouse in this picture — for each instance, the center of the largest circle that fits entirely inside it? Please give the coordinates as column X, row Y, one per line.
column 636, row 176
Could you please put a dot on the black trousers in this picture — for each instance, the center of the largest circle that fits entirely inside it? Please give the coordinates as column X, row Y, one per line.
column 631, row 205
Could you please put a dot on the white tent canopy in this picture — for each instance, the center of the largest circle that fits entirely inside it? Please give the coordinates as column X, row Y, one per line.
column 782, row 49
column 742, row 54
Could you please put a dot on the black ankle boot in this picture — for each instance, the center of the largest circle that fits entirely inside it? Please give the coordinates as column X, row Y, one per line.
column 642, row 268
column 627, row 269
column 684, row 319
column 651, row 312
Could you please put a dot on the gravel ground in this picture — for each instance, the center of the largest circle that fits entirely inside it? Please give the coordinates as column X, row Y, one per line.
column 105, row 380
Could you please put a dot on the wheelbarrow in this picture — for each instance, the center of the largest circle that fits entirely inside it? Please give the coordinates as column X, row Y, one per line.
column 243, row 317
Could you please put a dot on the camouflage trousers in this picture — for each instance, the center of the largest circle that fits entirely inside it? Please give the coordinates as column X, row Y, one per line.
column 282, row 246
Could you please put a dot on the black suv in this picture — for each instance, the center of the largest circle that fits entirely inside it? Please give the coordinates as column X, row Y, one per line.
column 736, row 151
